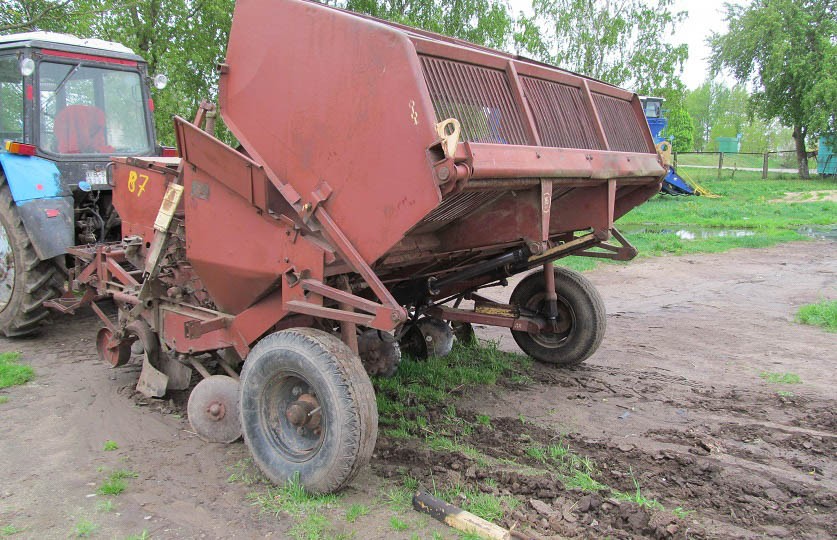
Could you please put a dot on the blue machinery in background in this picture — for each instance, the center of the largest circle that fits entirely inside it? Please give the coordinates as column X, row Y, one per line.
column 673, row 183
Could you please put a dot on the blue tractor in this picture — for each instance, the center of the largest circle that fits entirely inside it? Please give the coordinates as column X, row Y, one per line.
column 66, row 105
column 673, row 183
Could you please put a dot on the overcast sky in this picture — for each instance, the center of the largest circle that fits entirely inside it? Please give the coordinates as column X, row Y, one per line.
column 704, row 17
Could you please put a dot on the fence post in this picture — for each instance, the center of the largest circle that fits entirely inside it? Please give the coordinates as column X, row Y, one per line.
column 764, row 167
column 675, row 160
column 720, row 163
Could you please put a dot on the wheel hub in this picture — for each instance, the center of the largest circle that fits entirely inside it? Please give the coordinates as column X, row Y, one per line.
column 304, row 412
column 216, row 411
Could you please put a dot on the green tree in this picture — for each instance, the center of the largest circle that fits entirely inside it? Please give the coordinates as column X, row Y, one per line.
column 787, row 49
column 621, row 42
column 681, row 128
column 485, row 22
column 27, row 15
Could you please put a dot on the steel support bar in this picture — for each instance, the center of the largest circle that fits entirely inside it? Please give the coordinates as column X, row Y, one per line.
column 314, row 310
column 523, row 324
column 577, row 244
column 503, row 161
column 347, row 251
column 318, row 287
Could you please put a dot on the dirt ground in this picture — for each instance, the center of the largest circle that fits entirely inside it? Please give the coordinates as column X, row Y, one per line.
column 672, row 400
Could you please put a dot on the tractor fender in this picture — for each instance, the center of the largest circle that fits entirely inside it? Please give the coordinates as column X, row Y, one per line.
column 44, row 205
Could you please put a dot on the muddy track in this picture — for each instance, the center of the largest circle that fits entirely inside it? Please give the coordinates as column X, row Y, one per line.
column 673, row 402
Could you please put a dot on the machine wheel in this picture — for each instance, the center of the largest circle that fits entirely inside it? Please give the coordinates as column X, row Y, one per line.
column 213, row 409
column 308, row 409
column 427, row 338
column 379, row 353
column 26, row 282
column 582, row 318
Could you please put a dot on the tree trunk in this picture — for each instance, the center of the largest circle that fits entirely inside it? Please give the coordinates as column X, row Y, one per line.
column 801, row 153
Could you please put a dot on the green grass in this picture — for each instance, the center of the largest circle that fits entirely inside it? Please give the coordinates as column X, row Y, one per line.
column 4, row 399
column 780, row 378
column 9, row 530
column 312, row 527
column 245, row 471
column 744, row 205
column 105, row 506
column 681, row 512
column 637, row 496
column 116, row 482
column 144, row 535
column 822, row 314
column 110, row 446
column 355, row 512
column 291, row 499
column 85, row 529
column 403, row 400
column 397, row 524
column 13, row 373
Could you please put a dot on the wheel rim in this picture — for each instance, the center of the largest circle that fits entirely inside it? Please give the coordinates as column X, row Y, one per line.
column 566, row 318
column 7, row 268
column 292, row 412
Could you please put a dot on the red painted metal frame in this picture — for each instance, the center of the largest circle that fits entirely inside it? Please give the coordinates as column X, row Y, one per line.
column 342, row 171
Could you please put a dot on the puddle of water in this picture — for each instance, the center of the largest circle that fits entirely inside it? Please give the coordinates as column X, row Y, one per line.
column 687, row 233
column 820, row 233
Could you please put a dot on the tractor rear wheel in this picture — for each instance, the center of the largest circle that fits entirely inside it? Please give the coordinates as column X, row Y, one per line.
column 308, row 410
column 581, row 318
column 26, row 282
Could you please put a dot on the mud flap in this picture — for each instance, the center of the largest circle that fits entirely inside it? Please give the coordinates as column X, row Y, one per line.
column 45, row 206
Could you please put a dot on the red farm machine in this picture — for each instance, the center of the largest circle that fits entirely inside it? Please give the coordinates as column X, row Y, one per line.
column 384, row 175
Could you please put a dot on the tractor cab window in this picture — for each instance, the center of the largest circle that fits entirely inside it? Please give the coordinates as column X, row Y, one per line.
column 11, row 99
column 91, row 110
column 653, row 109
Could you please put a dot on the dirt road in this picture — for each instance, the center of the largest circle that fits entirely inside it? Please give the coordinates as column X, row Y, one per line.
column 672, row 402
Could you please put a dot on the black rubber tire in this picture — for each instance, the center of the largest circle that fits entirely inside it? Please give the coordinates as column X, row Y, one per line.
column 35, row 281
column 587, row 315
column 344, row 391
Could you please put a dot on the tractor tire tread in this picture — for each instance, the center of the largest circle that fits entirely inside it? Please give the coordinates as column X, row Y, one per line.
column 41, row 280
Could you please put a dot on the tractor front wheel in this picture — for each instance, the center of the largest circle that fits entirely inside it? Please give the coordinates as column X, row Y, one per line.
column 26, row 282
column 308, row 409
column 581, row 318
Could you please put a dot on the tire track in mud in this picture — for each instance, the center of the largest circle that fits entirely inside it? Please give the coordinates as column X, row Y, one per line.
column 729, row 499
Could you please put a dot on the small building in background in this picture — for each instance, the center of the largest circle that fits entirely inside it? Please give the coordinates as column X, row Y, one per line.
column 827, row 155
column 729, row 145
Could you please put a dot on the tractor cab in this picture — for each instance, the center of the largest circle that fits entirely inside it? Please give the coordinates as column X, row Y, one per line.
column 67, row 105
column 653, row 107
column 76, row 101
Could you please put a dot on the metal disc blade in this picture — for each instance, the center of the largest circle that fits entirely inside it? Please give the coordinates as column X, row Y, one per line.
column 213, row 409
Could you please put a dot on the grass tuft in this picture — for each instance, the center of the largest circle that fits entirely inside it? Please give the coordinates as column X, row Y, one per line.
column 681, row 512
column 313, row 527
column 355, row 512
column 823, row 314
column 780, row 378
column 12, row 373
column 85, row 529
column 397, row 524
column 116, row 483
column 403, row 400
column 291, row 499
column 105, row 506
column 4, row 399
column 110, row 446
column 637, row 496
column 9, row 530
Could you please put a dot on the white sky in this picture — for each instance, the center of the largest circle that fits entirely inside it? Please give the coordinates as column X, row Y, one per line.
column 703, row 18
